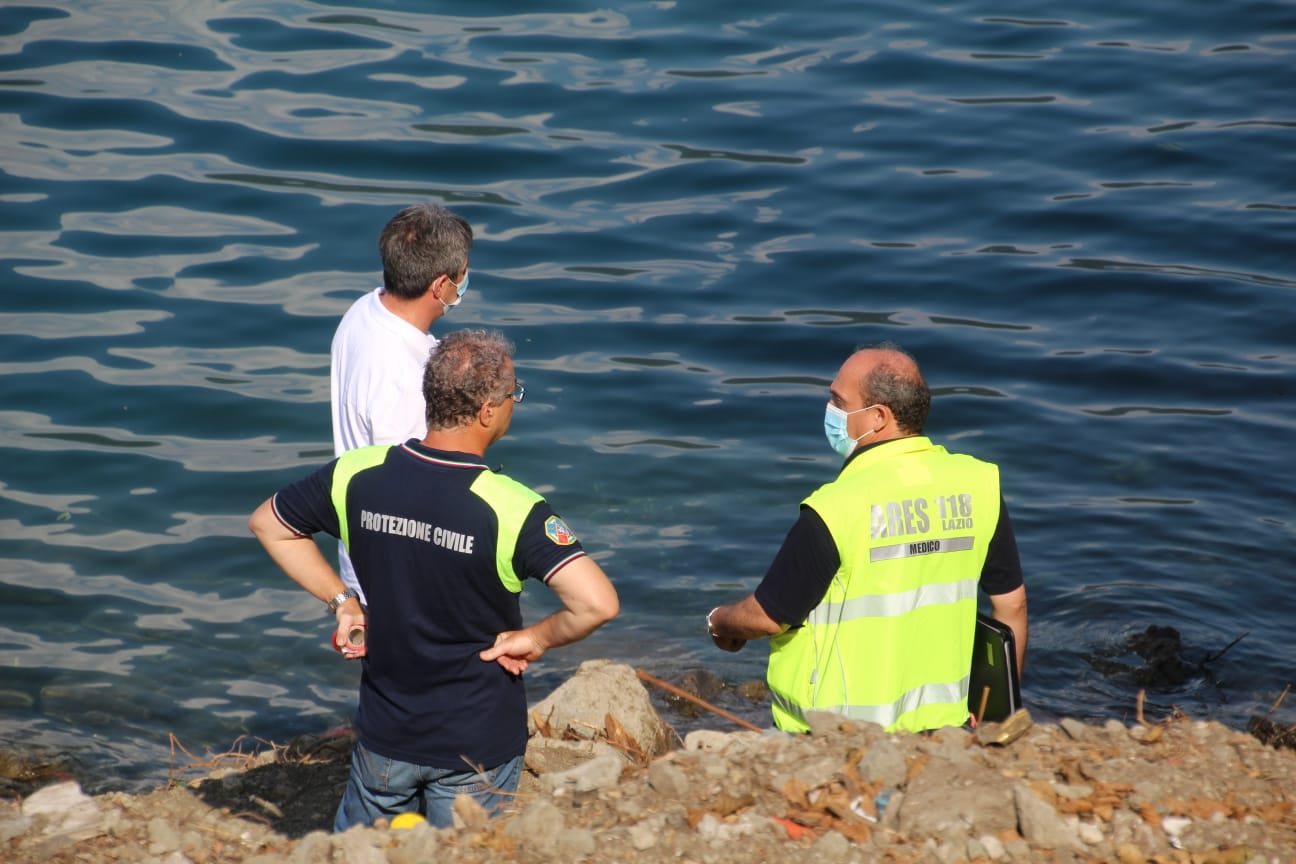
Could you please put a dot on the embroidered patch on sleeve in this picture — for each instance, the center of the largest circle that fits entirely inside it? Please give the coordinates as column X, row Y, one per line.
column 557, row 531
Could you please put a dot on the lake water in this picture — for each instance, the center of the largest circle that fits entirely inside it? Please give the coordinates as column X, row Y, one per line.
column 1081, row 219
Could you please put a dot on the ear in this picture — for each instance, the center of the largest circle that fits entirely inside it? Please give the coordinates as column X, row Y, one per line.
column 486, row 414
column 435, row 286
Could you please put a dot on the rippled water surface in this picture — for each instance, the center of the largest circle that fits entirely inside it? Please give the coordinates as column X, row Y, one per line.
column 1082, row 222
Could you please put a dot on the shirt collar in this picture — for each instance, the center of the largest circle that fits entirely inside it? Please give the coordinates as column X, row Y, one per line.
column 452, row 458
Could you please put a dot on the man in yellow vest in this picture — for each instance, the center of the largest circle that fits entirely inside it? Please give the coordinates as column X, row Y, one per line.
column 871, row 601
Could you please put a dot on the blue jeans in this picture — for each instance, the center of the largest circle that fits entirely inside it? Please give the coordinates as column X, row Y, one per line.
column 379, row 787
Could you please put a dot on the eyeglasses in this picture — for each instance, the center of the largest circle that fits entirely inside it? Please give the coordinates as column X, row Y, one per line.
column 517, row 394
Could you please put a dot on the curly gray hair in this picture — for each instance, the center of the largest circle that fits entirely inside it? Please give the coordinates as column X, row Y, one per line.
column 468, row 369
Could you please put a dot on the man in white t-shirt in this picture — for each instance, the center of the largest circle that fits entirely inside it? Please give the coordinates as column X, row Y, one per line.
column 382, row 344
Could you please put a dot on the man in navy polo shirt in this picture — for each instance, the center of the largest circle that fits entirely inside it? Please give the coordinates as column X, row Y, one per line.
column 441, row 546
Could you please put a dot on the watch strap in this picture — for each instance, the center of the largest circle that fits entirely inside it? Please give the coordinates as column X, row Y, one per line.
column 341, row 598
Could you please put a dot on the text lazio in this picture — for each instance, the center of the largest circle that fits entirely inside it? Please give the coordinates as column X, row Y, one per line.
column 400, row 526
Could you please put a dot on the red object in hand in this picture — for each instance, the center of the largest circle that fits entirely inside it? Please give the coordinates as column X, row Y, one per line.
column 354, row 646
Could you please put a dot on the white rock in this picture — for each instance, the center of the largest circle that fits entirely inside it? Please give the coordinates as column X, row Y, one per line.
column 55, row 799
column 602, row 772
column 1090, row 833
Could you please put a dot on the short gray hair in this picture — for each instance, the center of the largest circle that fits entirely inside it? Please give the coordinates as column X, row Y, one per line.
column 419, row 244
column 468, row 369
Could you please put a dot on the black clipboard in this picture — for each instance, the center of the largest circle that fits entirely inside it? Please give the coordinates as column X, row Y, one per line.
column 994, row 665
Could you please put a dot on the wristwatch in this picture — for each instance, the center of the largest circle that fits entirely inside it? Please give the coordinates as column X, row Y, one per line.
column 341, row 598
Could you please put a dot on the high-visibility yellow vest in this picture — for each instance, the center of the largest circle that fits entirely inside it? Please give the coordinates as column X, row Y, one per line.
column 891, row 641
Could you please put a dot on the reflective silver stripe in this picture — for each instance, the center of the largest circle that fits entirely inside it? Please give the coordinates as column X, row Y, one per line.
column 919, row 547
column 786, row 704
column 885, row 715
column 899, row 603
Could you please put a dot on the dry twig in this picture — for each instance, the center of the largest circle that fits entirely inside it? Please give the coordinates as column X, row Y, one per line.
column 1281, row 697
column 235, row 755
column 695, row 700
column 1215, row 657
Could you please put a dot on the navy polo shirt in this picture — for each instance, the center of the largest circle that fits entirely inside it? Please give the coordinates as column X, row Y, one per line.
column 440, row 546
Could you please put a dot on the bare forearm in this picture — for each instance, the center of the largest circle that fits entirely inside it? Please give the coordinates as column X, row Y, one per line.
column 302, row 561
column 1010, row 609
column 745, row 619
column 589, row 601
column 297, row 556
column 565, row 627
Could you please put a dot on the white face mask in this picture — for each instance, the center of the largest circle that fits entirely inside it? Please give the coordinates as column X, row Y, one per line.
column 835, row 429
column 461, row 288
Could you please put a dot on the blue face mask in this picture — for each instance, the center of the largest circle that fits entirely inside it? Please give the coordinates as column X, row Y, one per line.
column 835, row 429
column 461, row 288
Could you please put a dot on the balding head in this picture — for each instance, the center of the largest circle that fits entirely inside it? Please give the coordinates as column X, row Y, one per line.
column 886, row 374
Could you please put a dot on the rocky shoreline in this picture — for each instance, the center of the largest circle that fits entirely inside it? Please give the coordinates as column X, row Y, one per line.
column 605, row 784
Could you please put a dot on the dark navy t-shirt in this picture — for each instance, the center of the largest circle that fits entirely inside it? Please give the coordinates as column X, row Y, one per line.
column 425, row 541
